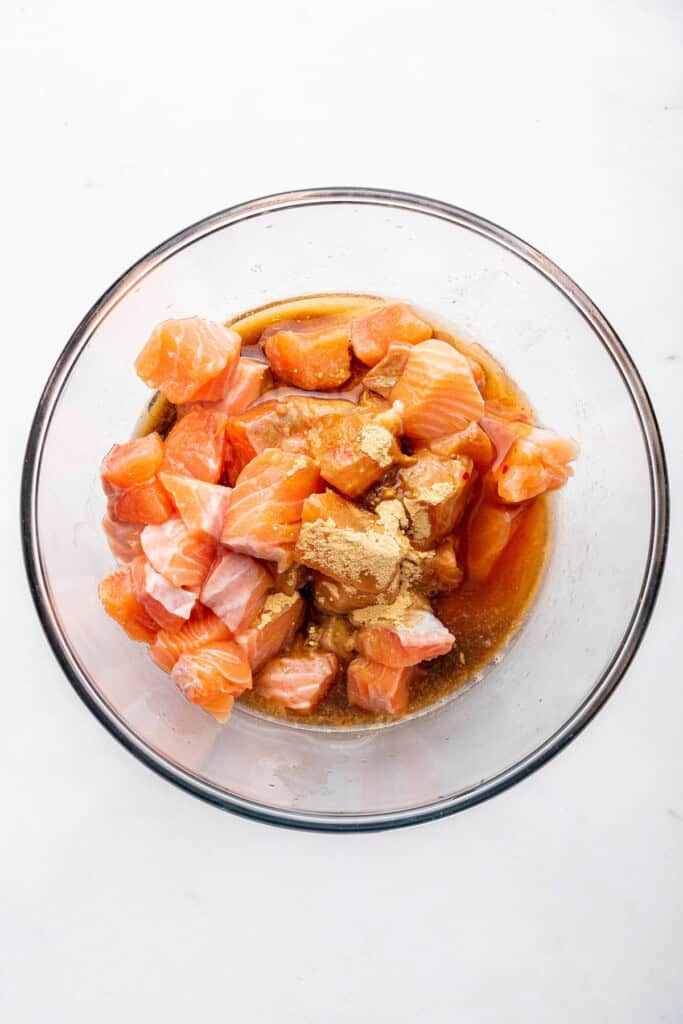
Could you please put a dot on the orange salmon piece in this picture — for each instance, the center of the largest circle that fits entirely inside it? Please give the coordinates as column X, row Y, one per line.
column 249, row 381
column 535, row 464
column 274, row 628
column 435, row 492
column 379, row 688
column 441, row 571
column 202, row 628
column 339, row 598
column 169, row 606
column 264, row 514
column 371, row 335
column 145, row 503
column 298, row 681
column 212, row 677
column 235, row 589
column 354, row 450
column 489, row 531
column 195, row 446
column 201, row 506
column 273, row 424
column 135, row 462
column 120, row 602
column 437, row 391
column 315, row 359
column 384, row 376
column 417, row 636
column 472, row 441
column 183, row 357
column 123, row 539
column 184, row 558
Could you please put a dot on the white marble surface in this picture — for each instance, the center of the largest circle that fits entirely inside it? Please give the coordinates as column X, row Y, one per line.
column 121, row 898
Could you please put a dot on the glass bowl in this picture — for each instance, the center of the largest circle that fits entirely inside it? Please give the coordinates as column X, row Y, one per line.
column 610, row 522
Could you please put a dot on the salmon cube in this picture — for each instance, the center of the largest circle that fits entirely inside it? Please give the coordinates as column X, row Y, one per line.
column 297, row 681
column 379, row 688
column 135, row 462
column 273, row 629
column 145, row 503
column 123, row 539
column 202, row 628
column 489, row 530
column 213, row 676
column 312, row 358
column 473, row 441
column 534, row 465
column 434, row 492
column 235, row 589
column 354, row 450
column 440, row 569
column 195, row 446
column 119, row 600
column 169, row 606
column 384, row 376
column 182, row 357
column 437, row 391
column 415, row 636
column 184, row 558
column 371, row 335
column 201, row 506
column 264, row 515
column 339, row 598
column 251, row 378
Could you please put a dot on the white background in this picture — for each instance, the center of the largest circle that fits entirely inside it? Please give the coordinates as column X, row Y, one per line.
column 122, row 898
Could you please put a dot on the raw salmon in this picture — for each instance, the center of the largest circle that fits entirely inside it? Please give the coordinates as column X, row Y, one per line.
column 271, row 424
column 212, row 677
column 339, row 598
column 472, row 441
column 297, row 681
column 169, row 606
column 123, row 539
column 383, row 377
column 201, row 506
column 371, row 335
column 489, row 531
column 535, row 464
column 120, row 602
column 145, row 503
column 434, row 492
column 196, row 446
column 379, row 688
column 315, row 358
column 414, row 637
column 235, row 589
column 184, row 558
column 182, row 357
column 202, row 628
column 353, row 449
column 249, row 381
column 135, row 462
column 273, row 629
column 437, row 391
column 440, row 569
column 264, row 514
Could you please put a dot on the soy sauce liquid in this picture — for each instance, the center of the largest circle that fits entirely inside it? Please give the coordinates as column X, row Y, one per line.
column 483, row 617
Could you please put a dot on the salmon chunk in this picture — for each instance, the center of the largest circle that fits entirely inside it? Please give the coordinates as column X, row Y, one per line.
column 473, row 441
column 434, row 493
column 195, row 446
column 379, row 688
column 535, row 464
column 169, row 606
column 184, row 558
column 414, row 637
column 212, row 677
column 438, row 392
column 250, row 379
column 201, row 506
column 183, row 357
column 202, row 628
column 384, row 376
column 353, row 449
column 312, row 358
column 135, row 462
column 339, row 598
column 119, row 600
column 123, row 539
column 273, row 629
column 371, row 335
column 264, row 514
column 297, row 681
column 235, row 589
column 145, row 503
column 489, row 531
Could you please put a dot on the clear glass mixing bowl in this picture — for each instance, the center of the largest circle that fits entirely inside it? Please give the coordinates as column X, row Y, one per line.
column 609, row 533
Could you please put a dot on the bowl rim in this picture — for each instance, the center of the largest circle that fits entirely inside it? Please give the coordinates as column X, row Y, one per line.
column 622, row 656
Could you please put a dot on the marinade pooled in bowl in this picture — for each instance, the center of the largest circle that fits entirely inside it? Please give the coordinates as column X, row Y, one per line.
column 334, row 510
